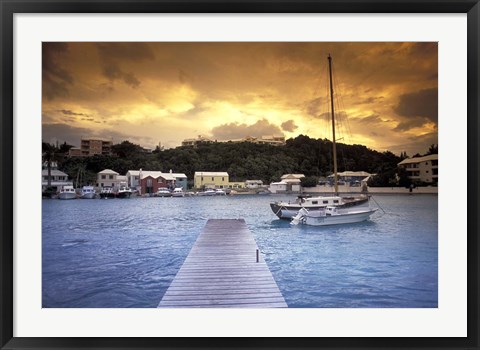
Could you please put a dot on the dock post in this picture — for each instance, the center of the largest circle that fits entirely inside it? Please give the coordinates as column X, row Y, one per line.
column 258, row 256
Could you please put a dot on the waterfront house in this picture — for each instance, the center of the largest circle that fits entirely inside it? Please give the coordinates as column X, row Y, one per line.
column 57, row 178
column 422, row 169
column 278, row 187
column 205, row 179
column 351, row 178
column 151, row 181
column 293, row 182
column 253, row 183
column 133, row 178
column 238, row 184
column 108, row 177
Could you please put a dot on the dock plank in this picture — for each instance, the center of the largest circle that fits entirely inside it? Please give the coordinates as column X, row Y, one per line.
column 221, row 271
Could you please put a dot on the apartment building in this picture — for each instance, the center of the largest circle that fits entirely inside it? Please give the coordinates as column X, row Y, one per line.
column 422, row 169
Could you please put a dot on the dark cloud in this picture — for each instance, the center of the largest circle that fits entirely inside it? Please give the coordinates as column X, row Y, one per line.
column 373, row 119
column 417, row 109
column 238, row 131
column 135, row 52
column 316, row 106
column 289, row 125
column 112, row 54
column 113, row 72
column 56, row 80
column 69, row 112
column 63, row 132
column 415, row 144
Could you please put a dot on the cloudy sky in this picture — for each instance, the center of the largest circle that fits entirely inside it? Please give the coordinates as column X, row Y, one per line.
column 385, row 93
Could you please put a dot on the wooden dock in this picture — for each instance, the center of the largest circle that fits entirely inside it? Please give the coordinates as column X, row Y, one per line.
column 222, row 271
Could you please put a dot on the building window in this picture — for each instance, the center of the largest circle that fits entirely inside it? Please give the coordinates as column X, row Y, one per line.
column 435, row 171
column 110, row 177
column 101, row 184
column 213, row 178
column 104, row 177
column 223, row 179
column 202, row 178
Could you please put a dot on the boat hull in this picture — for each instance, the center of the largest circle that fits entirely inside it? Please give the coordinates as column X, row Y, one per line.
column 107, row 195
column 325, row 220
column 288, row 211
column 90, row 195
column 126, row 194
column 67, row 195
column 163, row 195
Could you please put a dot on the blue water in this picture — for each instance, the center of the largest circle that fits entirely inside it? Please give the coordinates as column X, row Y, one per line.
column 124, row 253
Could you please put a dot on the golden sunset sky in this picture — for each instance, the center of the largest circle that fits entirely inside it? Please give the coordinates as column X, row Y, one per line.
column 386, row 93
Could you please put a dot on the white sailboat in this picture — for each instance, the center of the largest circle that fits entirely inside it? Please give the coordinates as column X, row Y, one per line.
column 332, row 215
column 288, row 210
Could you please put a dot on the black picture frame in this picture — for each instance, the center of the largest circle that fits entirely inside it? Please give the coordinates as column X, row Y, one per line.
column 10, row 7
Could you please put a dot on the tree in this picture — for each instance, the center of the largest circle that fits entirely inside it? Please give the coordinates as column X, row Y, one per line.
column 433, row 149
column 50, row 154
column 310, row 181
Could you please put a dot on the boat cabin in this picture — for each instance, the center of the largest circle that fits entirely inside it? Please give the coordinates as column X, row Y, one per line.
column 68, row 189
column 319, row 201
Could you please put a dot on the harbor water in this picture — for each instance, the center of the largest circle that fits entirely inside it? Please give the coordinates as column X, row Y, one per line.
column 121, row 253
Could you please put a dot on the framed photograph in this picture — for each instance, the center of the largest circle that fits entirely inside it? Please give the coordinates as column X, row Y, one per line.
column 239, row 174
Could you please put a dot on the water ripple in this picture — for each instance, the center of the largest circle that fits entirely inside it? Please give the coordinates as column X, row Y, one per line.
column 125, row 253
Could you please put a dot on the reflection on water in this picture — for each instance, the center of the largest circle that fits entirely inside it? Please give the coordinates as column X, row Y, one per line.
column 125, row 253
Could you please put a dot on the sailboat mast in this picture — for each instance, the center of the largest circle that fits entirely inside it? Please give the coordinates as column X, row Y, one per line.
column 333, row 126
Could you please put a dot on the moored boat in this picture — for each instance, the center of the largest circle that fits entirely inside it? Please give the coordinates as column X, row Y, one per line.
column 87, row 192
column 124, row 192
column 107, row 192
column 220, row 192
column 163, row 192
column 67, row 192
column 332, row 216
column 178, row 192
column 288, row 209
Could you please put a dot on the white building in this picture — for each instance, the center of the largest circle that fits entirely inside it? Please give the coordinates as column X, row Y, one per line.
column 422, row 169
column 278, row 187
column 109, row 178
column 253, row 183
column 57, row 179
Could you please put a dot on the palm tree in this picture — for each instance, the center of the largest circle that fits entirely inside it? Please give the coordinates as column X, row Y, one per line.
column 50, row 154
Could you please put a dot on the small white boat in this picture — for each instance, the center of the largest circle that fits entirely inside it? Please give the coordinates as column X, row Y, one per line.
column 209, row 192
column 220, row 192
column 178, row 192
column 124, row 192
column 88, row 192
column 163, row 192
column 107, row 192
column 332, row 216
column 67, row 192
